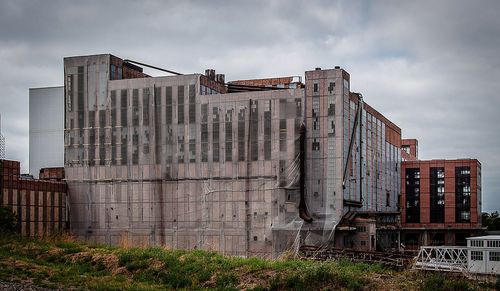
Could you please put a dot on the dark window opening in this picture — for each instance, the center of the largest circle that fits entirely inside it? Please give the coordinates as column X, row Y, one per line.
column 412, row 195
column 436, row 195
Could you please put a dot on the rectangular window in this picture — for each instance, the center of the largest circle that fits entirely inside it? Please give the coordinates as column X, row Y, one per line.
column 192, row 151
column 241, row 134
column 124, row 107
column 180, row 105
column 267, row 129
column 476, row 255
column 315, row 145
column 192, row 105
column 436, row 187
column 331, row 87
column 476, row 243
column 494, row 243
column 168, row 109
column 315, row 87
column 495, row 256
column 462, row 194
column 135, row 107
column 229, row 133
column 412, row 195
column 204, row 152
column 254, row 130
column 215, row 133
column 180, row 143
column 145, row 106
column 283, row 135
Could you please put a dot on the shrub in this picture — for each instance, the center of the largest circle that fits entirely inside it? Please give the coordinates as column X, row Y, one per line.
column 8, row 220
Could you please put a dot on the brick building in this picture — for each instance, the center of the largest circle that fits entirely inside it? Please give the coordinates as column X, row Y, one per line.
column 441, row 200
column 40, row 205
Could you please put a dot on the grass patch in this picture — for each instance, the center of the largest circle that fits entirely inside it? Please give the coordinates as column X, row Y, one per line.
column 65, row 263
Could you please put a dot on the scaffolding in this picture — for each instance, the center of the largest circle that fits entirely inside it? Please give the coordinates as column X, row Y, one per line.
column 175, row 161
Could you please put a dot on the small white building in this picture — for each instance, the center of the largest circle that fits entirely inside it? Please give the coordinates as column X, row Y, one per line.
column 483, row 254
column 46, row 128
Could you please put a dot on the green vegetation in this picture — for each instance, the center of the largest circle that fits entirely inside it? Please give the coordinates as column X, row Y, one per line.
column 491, row 220
column 8, row 220
column 63, row 263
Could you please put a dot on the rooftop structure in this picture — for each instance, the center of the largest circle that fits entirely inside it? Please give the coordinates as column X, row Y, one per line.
column 409, row 149
column 247, row 167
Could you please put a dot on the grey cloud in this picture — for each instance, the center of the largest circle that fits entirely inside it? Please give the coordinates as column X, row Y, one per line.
column 430, row 66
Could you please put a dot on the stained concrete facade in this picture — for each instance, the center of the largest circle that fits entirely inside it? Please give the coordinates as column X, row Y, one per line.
column 177, row 161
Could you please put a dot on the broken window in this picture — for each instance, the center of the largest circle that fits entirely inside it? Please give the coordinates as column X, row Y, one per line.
column 229, row 133
column 192, row 150
column 135, row 107
column 254, row 130
column 135, row 147
column 331, row 108
column 92, row 145
column 124, row 146
column 413, row 195
column 241, row 134
column 204, row 152
column 145, row 106
column 192, row 104
column 283, row 135
column 315, row 145
column 102, row 125
column 70, row 92
column 180, row 105
column 462, row 194
column 123, row 106
column 267, row 130
column 157, row 125
column 168, row 108
column 436, row 195
column 215, row 133
column 80, row 91
column 180, row 143
column 331, row 87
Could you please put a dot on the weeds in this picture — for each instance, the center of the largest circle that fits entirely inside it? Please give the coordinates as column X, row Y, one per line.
column 65, row 263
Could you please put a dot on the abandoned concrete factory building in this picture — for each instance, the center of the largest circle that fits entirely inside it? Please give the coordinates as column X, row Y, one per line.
column 249, row 167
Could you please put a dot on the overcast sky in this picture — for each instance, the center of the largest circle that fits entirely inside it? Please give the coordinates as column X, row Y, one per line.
column 432, row 67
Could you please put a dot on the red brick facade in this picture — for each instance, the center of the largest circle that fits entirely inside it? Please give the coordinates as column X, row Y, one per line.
column 409, row 149
column 450, row 225
column 40, row 205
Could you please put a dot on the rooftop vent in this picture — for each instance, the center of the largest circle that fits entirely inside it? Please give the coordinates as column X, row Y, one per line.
column 337, row 67
column 318, row 69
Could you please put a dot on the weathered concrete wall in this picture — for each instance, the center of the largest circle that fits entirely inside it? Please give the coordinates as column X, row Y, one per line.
column 162, row 164
column 156, row 161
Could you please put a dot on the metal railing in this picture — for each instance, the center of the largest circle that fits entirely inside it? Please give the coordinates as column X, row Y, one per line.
column 442, row 258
